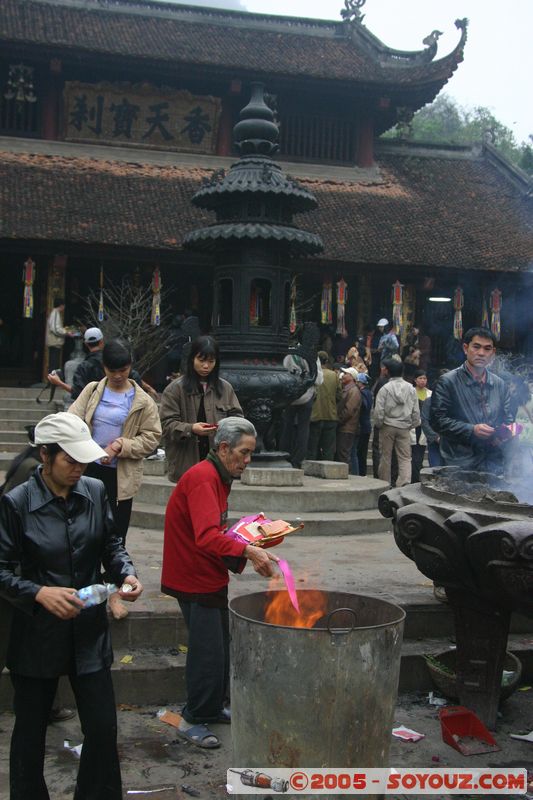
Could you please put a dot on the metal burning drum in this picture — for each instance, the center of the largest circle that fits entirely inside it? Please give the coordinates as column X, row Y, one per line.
column 314, row 696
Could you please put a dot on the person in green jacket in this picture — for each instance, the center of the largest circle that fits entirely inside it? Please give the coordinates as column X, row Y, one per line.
column 324, row 419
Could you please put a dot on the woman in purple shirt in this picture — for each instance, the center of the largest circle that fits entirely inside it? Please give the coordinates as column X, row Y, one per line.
column 124, row 421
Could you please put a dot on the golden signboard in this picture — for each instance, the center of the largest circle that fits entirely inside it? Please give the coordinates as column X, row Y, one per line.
column 140, row 115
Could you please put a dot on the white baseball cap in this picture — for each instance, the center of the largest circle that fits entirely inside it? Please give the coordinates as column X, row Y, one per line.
column 70, row 433
column 350, row 371
column 382, row 322
column 93, row 336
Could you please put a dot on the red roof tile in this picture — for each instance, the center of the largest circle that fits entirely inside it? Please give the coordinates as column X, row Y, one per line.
column 430, row 211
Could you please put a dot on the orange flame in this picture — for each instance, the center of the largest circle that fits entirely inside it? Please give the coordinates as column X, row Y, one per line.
column 280, row 611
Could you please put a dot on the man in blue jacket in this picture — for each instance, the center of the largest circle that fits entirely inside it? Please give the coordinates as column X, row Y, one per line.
column 468, row 406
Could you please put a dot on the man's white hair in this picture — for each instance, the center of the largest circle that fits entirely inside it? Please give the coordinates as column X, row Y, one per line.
column 232, row 429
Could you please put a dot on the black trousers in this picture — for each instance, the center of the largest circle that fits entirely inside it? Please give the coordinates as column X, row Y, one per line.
column 417, row 461
column 295, row 432
column 121, row 509
column 207, row 666
column 99, row 770
column 54, row 358
column 362, row 452
column 322, row 440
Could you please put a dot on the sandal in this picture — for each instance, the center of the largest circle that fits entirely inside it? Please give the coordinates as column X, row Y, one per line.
column 198, row 735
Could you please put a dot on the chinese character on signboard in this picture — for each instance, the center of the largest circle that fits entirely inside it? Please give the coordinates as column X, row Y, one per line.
column 142, row 115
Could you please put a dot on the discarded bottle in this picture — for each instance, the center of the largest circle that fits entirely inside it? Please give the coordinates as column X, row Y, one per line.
column 96, row 594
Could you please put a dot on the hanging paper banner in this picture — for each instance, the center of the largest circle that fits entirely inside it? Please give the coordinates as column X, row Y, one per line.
column 156, row 299
column 101, row 300
column 342, row 299
column 326, row 305
column 28, row 277
column 458, row 303
column 495, row 308
column 292, row 316
column 484, row 312
column 397, row 308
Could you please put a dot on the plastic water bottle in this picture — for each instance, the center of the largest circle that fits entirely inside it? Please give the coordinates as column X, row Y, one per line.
column 96, row 594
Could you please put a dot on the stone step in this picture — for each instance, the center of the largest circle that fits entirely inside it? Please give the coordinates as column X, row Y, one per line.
column 6, row 456
column 18, row 417
column 11, row 448
column 156, row 675
column 414, row 674
column 24, row 402
column 348, row 523
column 18, row 436
column 316, row 495
column 424, row 621
column 156, row 467
column 12, row 391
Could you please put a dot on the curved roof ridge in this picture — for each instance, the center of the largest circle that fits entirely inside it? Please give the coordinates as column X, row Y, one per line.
column 212, row 15
column 390, row 56
column 289, row 24
column 210, row 38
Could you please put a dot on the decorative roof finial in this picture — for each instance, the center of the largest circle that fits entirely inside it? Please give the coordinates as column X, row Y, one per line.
column 431, row 45
column 433, row 38
column 256, row 133
column 351, row 12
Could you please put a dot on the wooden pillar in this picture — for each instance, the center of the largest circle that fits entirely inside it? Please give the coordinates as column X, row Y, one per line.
column 51, row 99
column 55, row 287
column 365, row 142
column 364, row 304
column 225, row 129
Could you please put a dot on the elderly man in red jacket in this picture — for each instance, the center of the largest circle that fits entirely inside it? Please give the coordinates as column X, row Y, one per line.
column 196, row 558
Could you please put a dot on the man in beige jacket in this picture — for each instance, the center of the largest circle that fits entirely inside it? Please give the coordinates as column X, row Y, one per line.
column 396, row 412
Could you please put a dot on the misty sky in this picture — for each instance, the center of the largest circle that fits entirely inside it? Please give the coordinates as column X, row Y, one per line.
column 498, row 61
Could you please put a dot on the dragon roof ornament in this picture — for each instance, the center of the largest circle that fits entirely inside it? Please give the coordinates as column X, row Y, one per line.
column 352, row 11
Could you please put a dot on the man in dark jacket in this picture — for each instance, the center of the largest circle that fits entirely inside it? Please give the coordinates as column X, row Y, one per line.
column 365, row 425
column 468, row 406
column 92, row 368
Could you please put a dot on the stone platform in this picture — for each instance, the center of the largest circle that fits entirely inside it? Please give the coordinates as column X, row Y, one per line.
column 327, row 506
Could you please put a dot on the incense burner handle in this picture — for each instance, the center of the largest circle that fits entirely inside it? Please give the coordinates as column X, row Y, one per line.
column 340, row 631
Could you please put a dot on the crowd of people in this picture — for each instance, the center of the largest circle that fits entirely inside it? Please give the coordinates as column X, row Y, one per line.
column 66, row 504
column 378, row 389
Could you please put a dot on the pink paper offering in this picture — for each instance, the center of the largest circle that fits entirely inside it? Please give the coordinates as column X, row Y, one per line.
column 289, row 582
column 407, row 734
column 247, row 528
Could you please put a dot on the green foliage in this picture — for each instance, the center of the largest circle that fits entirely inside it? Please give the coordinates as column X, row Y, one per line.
column 447, row 122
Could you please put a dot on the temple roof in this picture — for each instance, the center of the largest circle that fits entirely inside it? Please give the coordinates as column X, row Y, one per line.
column 431, row 210
column 239, row 44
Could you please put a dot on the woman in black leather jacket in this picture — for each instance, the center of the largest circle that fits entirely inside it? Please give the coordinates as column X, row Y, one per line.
column 56, row 533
